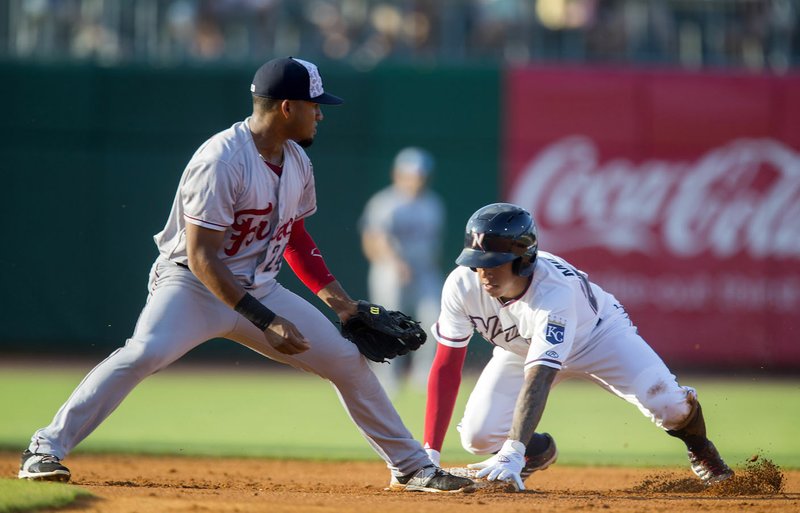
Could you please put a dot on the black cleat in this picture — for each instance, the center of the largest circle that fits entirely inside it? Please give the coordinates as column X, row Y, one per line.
column 540, row 461
column 431, row 479
column 42, row 467
column 708, row 465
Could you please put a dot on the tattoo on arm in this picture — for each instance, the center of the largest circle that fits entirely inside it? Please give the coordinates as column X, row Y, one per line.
column 531, row 402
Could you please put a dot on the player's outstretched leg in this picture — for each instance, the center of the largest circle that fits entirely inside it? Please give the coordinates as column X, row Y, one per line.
column 703, row 456
column 338, row 360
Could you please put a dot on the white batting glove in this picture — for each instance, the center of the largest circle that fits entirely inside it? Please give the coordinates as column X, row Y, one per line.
column 488, row 462
column 507, row 465
column 434, row 455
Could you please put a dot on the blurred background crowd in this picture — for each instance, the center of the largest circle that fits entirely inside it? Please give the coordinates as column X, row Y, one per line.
column 750, row 34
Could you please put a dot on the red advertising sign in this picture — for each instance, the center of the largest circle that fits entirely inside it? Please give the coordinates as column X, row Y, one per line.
column 678, row 193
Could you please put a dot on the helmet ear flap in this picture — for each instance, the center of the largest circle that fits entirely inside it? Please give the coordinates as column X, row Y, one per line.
column 517, row 266
column 523, row 266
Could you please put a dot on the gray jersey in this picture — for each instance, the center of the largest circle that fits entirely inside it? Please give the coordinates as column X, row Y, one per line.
column 227, row 187
column 413, row 226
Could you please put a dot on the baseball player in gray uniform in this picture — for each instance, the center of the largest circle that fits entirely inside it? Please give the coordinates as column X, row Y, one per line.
column 239, row 210
column 548, row 323
column 401, row 234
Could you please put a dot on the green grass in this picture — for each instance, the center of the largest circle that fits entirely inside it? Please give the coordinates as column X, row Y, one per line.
column 17, row 495
column 269, row 413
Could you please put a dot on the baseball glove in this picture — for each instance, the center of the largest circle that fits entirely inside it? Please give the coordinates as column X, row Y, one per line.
column 382, row 334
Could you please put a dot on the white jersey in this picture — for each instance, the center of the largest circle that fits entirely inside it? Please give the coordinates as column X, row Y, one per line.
column 226, row 186
column 548, row 324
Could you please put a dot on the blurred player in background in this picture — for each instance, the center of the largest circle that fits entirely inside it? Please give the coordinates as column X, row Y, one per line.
column 239, row 210
column 548, row 323
column 401, row 234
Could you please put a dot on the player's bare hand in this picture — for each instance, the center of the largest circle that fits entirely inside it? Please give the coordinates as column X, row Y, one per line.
column 285, row 337
column 346, row 310
column 340, row 302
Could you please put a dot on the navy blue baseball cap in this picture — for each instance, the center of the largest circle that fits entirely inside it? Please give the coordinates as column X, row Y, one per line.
column 288, row 78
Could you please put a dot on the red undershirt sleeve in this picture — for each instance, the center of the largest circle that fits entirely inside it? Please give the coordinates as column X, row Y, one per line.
column 305, row 259
column 443, row 383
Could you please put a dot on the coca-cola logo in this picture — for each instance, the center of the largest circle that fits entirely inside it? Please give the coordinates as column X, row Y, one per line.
column 741, row 198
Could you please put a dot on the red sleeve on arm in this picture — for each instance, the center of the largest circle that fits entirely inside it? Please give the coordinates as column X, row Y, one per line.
column 305, row 259
column 443, row 383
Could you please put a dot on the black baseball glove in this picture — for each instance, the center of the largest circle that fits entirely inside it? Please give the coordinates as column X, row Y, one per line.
column 382, row 334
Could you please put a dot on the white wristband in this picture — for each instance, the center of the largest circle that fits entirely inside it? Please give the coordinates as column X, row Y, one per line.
column 514, row 445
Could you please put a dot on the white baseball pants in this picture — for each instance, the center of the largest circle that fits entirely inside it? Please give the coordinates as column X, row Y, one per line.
column 616, row 358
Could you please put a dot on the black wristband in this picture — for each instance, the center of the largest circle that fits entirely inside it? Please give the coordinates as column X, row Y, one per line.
column 252, row 310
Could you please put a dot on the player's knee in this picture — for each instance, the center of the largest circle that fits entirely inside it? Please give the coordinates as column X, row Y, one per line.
column 350, row 370
column 141, row 358
column 677, row 412
column 350, row 366
column 669, row 407
column 478, row 439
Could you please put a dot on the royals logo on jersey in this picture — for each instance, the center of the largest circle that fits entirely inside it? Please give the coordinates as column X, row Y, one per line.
column 554, row 332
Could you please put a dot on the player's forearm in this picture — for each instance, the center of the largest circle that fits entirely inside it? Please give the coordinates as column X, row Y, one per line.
column 202, row 248
column 305, row 259
column 216, row 276
column 443, row 384
column 338, row 300
column 531, row 402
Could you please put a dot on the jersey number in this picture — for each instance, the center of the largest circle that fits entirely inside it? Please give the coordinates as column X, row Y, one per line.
column 587, row 290
column 274, row 259
column 571, row 271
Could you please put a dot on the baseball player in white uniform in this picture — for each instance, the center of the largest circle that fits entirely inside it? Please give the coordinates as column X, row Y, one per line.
column 239, row 209
column 548, row 323
column 401, row 234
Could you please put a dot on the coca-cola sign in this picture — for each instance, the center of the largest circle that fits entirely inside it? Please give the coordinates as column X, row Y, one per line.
column 739, row 199
column 678, row 193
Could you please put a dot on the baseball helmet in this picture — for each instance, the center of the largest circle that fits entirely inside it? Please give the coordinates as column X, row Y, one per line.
column 497, row 234
column 414, row 161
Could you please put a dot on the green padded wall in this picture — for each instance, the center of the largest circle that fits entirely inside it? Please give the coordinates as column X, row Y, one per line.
column 91, row 157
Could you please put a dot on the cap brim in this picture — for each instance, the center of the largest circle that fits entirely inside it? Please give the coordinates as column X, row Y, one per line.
column 483, row 259
column 327, row 99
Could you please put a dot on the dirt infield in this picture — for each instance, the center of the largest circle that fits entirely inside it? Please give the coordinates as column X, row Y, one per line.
column 126, row 484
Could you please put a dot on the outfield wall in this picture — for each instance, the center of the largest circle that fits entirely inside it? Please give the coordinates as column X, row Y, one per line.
column 91, row 157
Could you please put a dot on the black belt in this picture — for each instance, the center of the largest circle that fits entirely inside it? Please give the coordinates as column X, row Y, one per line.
column 182, row 265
